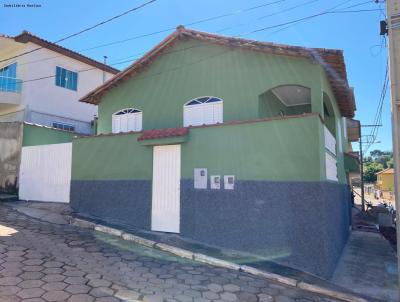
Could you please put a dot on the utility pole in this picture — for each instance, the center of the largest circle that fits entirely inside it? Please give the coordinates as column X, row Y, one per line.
column 393, row 26
column 362, row 165
column 362, row 172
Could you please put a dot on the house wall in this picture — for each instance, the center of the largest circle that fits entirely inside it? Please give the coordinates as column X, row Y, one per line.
column 10, row 154
column 386, row 182
column 43, row 96
column 191, row 69
column 280, row 207
column 340, row 126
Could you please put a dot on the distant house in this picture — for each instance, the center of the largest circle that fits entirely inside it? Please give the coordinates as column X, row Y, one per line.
column 41, row 89
column 235, row 143
column 385, row 180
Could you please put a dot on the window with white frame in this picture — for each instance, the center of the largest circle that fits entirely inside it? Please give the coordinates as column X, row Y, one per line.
column 64, row 126
column 125, row 120
column 205, row 110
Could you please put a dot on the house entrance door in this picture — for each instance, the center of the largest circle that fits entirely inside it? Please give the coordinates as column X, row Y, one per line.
column 165, row 213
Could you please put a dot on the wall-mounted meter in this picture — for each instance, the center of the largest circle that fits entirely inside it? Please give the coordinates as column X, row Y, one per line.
column 200, row 178
column 215, row 181
column 229, row 182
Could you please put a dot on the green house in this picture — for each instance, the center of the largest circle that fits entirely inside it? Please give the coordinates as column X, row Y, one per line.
column 234, row 143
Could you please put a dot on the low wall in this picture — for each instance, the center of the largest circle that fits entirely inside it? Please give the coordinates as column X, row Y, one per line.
column 301, row 224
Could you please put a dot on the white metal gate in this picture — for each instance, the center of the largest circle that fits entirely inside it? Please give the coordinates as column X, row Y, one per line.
column 45, row 173
column 165, row 214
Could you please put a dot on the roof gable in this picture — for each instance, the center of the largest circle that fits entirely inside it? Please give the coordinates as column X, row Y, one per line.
column 386, row 171
column 26, row 37
column 331, row 60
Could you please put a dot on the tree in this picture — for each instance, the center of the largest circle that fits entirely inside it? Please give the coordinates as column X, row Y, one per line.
column 376, row 153
column 370, row 170
column 390, row 163
column 376, row 162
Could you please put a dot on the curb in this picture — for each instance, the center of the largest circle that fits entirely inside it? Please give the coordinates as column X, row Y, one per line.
column 215, row 261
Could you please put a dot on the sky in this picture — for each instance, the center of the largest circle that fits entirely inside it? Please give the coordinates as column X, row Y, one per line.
column 357, row 33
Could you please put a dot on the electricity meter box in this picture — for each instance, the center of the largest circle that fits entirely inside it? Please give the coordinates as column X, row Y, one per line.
column 229, row 182
column 215, row 181
column 200, row 178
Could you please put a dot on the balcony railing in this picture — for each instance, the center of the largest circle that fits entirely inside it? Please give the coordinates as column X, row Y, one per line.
column 10, row 84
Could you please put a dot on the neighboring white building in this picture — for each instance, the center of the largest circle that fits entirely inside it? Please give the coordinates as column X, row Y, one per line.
column 43, row 87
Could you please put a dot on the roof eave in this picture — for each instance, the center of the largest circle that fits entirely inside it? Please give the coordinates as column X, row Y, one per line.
column 328, row 58
column 26, row 37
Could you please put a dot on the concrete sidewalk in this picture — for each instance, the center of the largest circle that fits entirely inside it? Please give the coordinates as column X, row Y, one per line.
column 368, row 266
column 52, row 212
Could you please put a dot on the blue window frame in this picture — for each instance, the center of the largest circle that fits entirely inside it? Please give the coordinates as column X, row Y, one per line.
column 66, row 78
column 9, row 71
column 8, row 79
column 63, row 126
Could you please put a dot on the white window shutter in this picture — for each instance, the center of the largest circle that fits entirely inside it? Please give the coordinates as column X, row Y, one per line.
column 218, row 113
column 208, row 114
column 116, row 124
column 339, row 130
column 130, row 122
column 138, row 121
column 124, row 123
column 190, row 116
column 203, row 113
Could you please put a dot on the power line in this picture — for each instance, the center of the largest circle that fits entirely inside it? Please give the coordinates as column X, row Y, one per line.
column 303, row 19
column 117, row 63
column 331, row 12
column 86, row 29
column 378, row 114
column 236, row 12
column 198, row 22
column 288, row 9
column 270, row 15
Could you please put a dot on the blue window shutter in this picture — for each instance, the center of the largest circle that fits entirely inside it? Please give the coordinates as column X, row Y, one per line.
column 66, row 78
column 75, row 81
column 58, row 76
column 62, row 78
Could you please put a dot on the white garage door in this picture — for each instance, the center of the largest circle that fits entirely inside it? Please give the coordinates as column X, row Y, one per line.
column 45, row 173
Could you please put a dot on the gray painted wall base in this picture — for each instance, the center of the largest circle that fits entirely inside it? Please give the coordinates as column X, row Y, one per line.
column 120, row 202
column 301, row 224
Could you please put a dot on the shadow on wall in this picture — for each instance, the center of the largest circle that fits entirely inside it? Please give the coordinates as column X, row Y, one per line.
column 285, row 100
column 10, row 155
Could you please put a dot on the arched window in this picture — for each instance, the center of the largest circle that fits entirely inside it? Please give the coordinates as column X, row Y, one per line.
column 125, row 120
column 204, row 110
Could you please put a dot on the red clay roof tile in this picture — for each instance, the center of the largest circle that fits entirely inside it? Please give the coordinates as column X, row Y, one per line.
column 332, row 61
column 163, row 133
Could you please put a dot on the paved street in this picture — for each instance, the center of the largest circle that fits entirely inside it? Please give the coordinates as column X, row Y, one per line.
column 47, row 262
